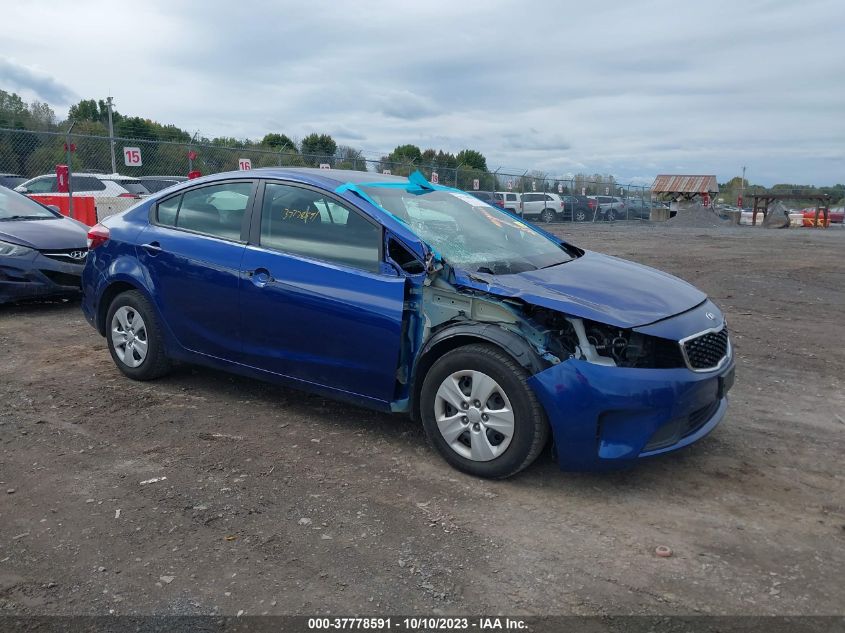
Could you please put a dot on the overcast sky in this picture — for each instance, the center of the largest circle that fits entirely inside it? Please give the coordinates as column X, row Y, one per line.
column 628, row 88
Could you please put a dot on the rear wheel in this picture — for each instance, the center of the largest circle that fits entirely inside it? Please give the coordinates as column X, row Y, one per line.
column 134, row 337
column 548, row 216
column 580, row 216
column 480, row 414
column 611, row 215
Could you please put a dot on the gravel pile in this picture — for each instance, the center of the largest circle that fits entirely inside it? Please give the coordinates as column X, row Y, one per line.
column 697, row 216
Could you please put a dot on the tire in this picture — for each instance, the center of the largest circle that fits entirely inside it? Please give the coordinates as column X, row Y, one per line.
column 467, row 443
column 581, row 216
column 548, row 216
column 610, row 216
column 131, row 320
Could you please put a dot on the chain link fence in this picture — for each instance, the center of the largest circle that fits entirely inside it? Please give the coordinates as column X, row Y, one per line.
column 540, row 197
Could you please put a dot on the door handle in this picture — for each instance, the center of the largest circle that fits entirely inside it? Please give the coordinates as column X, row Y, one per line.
column 153, row 248
column 260, row 277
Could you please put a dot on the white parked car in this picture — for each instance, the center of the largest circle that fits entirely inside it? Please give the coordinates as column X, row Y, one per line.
column 546, row 206
column 87, row 184
column 511, row 201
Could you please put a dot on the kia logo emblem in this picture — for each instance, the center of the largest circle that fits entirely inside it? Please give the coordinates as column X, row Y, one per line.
column 710, row 316
column 78, row 254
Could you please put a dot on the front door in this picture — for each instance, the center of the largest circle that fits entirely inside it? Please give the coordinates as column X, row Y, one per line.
column 316, row 305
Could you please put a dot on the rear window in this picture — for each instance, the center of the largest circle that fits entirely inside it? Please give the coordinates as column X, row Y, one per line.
column 86, row 183
column 154, row 186
column 133, row 186
column 11, row 181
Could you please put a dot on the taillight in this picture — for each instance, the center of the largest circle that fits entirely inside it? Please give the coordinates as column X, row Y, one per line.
column 97, row 236
column 562, row 205
column 134, row 196
column 591, row 204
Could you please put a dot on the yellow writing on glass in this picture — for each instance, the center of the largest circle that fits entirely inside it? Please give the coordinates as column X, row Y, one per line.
column 303, row 216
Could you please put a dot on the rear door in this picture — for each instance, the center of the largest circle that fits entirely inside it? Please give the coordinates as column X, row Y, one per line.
column 192, row 251
column 317, row 304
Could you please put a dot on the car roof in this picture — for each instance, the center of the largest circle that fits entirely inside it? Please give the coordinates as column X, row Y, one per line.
column 89, row 174
column 327, row 178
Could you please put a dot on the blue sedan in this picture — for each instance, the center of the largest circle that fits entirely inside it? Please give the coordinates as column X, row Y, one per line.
column 405, row 296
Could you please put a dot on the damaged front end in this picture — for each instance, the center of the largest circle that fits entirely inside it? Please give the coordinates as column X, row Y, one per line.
column 626, row 360
column 611, row 394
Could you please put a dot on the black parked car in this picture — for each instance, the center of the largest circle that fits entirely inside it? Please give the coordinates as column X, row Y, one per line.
column 490, row 197
column 637, row 209
column 41, row 252
column 578, row 208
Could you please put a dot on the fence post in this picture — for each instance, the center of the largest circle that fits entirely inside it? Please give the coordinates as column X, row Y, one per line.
column 69, row 172
column 109, row 102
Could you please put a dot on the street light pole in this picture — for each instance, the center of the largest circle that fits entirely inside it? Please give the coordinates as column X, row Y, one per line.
column 110, row 103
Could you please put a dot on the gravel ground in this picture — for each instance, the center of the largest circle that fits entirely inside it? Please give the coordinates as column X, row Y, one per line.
column 261, row 499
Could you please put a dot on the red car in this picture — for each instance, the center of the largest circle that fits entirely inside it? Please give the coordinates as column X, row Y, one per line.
column 836, row 216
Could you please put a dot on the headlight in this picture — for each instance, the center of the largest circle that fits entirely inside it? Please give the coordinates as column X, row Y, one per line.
column 7, row 249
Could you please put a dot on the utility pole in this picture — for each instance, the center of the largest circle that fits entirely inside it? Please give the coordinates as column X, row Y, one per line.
column 110, row 103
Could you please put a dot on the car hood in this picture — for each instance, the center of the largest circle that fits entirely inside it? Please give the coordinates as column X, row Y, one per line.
column 58, row 234
column 596, row 287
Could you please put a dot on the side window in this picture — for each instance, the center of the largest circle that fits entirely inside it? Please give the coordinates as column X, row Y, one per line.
column 511, row 197
column 43, row 185
column 216, row 210
column 167, row 210
column 304, row 222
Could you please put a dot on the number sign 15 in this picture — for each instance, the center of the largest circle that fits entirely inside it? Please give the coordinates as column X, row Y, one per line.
column 132, row 156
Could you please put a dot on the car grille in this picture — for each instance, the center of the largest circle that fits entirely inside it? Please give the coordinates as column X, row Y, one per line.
column 707, row 351
column 63, row 279
column 68, row 256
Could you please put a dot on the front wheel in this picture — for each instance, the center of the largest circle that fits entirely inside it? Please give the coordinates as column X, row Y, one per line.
column 134, row 337
column 547, row 216
column 580, row 216
column 611, row 215
column 480, row 414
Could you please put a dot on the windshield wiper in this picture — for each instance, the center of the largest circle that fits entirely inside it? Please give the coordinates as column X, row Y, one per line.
column 24, row 217
column 506, row 268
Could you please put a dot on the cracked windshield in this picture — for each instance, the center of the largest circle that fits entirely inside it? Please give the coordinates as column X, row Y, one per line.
column 470, row 234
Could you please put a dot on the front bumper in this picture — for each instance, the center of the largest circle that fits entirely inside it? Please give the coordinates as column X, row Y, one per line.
column 610, row 417
column 37, row 276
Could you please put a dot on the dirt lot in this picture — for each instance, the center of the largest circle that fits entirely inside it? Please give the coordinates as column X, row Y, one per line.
column 280, row 502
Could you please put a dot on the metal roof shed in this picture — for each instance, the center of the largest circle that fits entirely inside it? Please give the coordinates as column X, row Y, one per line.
column 684, row 187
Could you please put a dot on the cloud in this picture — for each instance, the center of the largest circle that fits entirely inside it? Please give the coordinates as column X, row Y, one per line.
column 21, row 78
column 619, row 87
column 403, row 104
